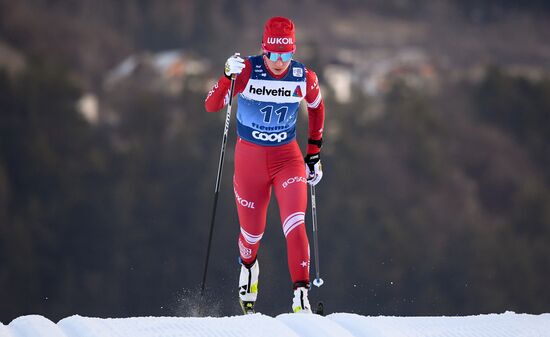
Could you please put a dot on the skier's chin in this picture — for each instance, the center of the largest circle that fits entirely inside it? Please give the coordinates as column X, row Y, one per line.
column 278, row 71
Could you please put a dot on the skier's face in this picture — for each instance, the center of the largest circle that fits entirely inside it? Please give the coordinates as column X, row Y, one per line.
column 278, row 67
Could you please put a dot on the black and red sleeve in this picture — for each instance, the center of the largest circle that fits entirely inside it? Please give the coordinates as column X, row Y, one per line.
column 316, row 113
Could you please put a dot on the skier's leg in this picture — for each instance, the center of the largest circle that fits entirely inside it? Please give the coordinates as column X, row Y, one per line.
column 251, row 186
column 291, row 191
column 252, row 192
column 290, row 186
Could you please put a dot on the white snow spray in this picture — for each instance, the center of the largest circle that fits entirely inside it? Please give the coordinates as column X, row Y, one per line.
column 190, row 303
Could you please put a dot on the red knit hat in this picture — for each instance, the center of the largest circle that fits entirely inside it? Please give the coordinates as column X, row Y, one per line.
column 279, row 35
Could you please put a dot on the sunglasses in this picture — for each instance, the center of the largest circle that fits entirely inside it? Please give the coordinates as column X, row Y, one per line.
column 273, row 57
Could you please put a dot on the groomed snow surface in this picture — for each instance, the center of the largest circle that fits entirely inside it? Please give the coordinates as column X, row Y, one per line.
column 508, row 324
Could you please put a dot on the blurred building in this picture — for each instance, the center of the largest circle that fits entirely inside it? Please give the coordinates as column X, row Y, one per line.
column 163, row 71
column 10, row 59
column 376, row 70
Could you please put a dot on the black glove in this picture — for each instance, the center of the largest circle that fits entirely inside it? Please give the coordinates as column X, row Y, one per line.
column 314, row 169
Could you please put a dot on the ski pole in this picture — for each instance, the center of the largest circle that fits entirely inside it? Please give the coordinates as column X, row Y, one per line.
column 318, row 281
column 218, row 179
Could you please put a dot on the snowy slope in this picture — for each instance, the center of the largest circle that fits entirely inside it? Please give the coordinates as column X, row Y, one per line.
column 508, row 324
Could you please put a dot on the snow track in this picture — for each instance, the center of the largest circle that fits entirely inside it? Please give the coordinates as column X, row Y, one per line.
column 508, row 324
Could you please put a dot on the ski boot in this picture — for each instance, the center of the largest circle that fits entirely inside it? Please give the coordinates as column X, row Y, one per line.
column 248, row 286
column 300, row 302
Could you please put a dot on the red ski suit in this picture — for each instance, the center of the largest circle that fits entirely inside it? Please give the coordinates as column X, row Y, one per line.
column 261, row 162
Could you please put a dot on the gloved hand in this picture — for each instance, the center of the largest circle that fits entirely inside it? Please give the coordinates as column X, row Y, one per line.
column 233, row 65
column 314, row 170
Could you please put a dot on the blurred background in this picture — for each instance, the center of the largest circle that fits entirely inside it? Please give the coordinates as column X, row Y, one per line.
column 435, row 198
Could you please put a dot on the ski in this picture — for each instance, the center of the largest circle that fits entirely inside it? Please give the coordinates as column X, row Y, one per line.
column 247, row 307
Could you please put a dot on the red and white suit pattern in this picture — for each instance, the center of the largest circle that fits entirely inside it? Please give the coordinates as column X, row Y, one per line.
column 267, row 155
